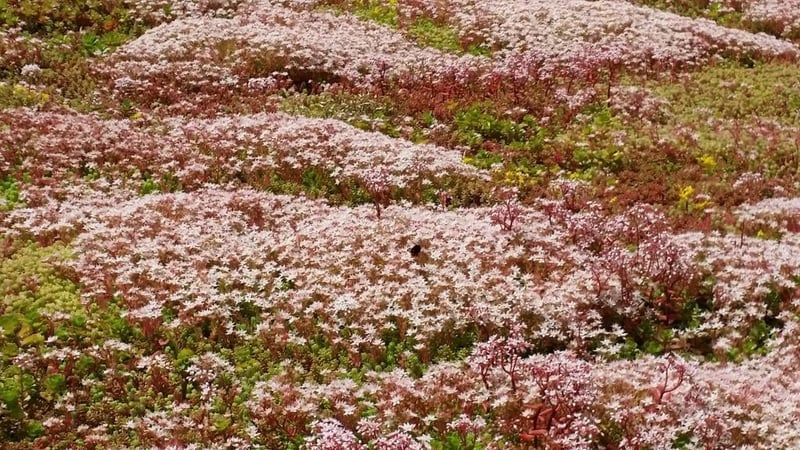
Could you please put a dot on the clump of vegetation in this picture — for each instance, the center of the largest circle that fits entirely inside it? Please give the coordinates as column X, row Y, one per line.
column 714, row 10
column 48, row 17
column 49, row 44
column 47, row 71
column 377, row 11
column 363, row 111
column 606, row 274
column 426, row 31
column 35, row 297
column 15, row 96
column 9, row 193
column 733, row 91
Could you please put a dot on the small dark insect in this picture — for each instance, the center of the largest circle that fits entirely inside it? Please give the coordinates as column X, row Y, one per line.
column 415, row 250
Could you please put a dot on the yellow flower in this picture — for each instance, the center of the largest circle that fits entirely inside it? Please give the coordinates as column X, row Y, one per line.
column 686, row 193
column 707, row 162
column 685, row 198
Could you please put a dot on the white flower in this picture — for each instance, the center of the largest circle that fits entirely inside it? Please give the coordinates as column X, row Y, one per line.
column 29, row 69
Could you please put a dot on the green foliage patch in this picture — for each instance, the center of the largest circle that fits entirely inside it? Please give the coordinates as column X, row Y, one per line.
column 365, row 112
column 734, row 91
column 425, row 31
column 46, row 17
column 480, row 122
column 9, row 193
column 430, row 34
column 31, row 285
column 384, row 13
column 32, row 290
column 16, row 95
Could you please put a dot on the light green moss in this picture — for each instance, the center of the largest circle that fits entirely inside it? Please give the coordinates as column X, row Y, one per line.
column 30, row 284
column 430, row 34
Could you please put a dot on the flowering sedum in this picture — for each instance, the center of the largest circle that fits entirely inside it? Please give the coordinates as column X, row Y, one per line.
column 352, row 225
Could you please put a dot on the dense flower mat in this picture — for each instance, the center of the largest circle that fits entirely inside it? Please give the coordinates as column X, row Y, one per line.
column 399, row 224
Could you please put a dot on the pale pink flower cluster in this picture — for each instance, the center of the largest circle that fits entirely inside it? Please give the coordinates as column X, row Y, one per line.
column 205, row 52
column 158, row 11
column 310, row 268
column 329, row 434
column 65, row 145
column 17, row 48
column 562, row 400
column 274, row 141
column 260, row 234
column 780, row 209
column 60, row 145
column 566, row 27
column 783, row 15
column 572, row 269
column 205, row 371
column 777, row 17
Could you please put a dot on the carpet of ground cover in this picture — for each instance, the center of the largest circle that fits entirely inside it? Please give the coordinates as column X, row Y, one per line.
column 777, row 18
column 399, row 224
